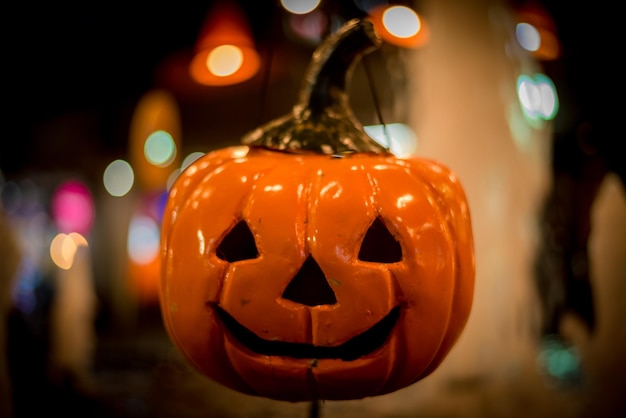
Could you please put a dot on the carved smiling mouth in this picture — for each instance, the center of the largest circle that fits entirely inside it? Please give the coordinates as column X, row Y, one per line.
column 352, row 349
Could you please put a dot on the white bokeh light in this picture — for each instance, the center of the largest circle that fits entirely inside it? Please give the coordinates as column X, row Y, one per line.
column 401, row 21
column 528, row 36
column 143, row 239
column 300, row 6
column 118, row 178
column 225, row 60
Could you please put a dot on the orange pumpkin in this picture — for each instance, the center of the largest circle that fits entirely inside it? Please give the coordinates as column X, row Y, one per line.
column 299, row 270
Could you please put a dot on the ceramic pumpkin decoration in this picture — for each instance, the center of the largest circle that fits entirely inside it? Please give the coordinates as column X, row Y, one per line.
column 311, row 263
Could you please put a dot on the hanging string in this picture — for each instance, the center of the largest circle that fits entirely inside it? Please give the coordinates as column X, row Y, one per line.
column 370, row 81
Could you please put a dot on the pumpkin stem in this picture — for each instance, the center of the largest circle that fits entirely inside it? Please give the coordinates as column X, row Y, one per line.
column 322, row 121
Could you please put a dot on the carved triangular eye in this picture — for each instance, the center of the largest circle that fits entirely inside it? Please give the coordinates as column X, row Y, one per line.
column 238, row 244
column 379, row 245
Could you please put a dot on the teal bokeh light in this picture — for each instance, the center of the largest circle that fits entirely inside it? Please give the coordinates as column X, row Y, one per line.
column 537, row 96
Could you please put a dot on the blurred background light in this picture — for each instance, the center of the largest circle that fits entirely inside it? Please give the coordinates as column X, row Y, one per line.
column 143, row 239
column 190, row 158
column 528, row 36
column 172, row 178
column 187, row 161
column 72, row 207
column 400, row 26
column 225, row 51
column 118, row 178
column 401, row 21
column 225, row 60
column 537, row 96
column 142, row 247
column 26, row 208
column 521, row 131
column 536, row 31
column 300, row 6
column 160, row 148
column 63, row 249
column 155, row 139
column 559, row 360
column 29, row 277
column 399, row 138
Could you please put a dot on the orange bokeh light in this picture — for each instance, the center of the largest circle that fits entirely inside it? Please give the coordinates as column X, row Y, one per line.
column 226, row 26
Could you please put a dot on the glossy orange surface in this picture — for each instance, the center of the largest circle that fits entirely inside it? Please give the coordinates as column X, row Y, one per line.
column 359, row 321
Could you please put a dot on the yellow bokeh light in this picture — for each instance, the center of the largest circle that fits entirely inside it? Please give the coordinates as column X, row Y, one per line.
column 63, row 249
column 78, row 239
column 224, row 60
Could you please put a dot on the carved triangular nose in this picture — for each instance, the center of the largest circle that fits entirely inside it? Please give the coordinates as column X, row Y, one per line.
column 309, row 286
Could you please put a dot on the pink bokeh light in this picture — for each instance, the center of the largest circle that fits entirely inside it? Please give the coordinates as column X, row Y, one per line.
column 72, row 207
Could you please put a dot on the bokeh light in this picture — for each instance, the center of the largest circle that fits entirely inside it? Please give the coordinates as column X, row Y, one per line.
column 400, row 26
column 160, row 148
column 399, row 138
column 29, row 277
column 190, row 158
column 225, row 51
column 225, row 60
column 401, row 21
column 300, row 6
column 559, row 360
column 155, row 139
column 63, row 249
column 187, row 161
column 72, row 207
column 172, row 178
column 537, row 96
column 118, row 178
column 225, row 65
column 26, row 208
column 143, row 239
column 527, row 36
column 143, row 244
column 536, row 32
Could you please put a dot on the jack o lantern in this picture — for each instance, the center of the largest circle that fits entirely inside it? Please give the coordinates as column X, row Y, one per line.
column 311, row 263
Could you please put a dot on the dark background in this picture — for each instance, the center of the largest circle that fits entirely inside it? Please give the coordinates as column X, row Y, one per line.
column 90, row 63
column 95, row 60
column 75, row 71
